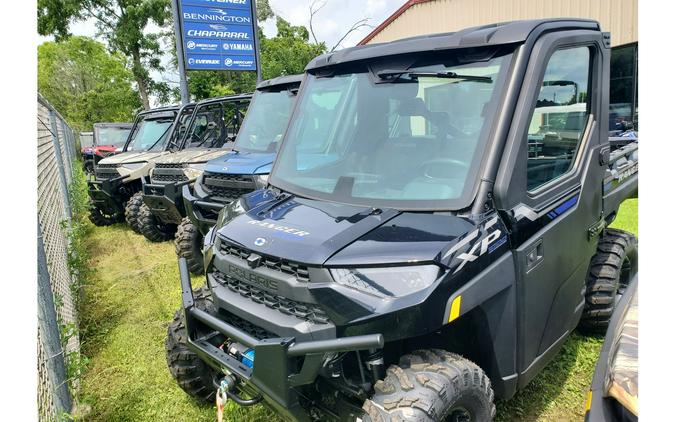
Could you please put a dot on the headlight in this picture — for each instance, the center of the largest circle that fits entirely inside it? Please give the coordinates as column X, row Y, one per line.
column 193, row 171
column 387, row 281
column 622, row 376
column 261, row 180
column 133, row 166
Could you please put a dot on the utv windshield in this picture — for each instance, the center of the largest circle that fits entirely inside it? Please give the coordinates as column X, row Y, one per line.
column 150, row 135
column 406, row 139
column 115, row 136
column 265, row 121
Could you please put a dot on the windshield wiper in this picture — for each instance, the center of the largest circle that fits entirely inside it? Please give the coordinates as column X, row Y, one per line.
column 395, row 74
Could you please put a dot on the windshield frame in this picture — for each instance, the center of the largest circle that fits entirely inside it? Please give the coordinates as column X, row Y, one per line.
column 421, row 59
column 288, row 89
column 238, row 102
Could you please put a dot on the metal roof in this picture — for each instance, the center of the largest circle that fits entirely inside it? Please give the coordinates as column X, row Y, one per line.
column 280, row 80
column 487, row 35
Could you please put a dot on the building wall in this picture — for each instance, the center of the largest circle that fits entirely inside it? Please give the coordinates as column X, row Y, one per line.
column 616, row 16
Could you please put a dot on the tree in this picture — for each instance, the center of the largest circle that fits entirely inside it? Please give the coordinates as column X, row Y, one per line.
column 85, row 82
column 316, row 6
column 285, row 54
column 123, row 24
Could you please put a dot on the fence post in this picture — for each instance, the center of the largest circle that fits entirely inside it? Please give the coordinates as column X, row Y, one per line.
column 59, row 162
column 52, row 337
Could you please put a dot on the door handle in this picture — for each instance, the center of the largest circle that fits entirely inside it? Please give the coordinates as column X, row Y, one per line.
column 534, row 256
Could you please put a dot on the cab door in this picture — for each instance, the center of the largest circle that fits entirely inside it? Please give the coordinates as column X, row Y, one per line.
column 549, row 187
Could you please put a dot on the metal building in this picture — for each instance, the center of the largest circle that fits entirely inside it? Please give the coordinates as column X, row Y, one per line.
column 619, row 17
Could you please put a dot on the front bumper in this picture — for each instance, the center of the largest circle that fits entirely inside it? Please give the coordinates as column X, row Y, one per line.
column 166, row 200
column 108, row 195
column 201, row 212
column 281, row 364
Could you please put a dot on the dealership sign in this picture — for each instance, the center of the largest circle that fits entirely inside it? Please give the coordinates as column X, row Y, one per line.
column 218, row 34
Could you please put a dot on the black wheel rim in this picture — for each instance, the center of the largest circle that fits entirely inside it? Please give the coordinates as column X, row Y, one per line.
column 459, row 414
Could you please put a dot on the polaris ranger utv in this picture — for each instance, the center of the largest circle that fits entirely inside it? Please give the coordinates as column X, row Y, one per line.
column 212, row 129
column 429, row 237
column 241, row 171
column 118, row 177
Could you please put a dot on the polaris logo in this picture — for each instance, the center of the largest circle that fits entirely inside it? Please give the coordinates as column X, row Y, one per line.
column 280, row 228
column 249, row 277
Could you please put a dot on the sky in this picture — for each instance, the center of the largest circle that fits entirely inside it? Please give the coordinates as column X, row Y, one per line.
column 330, row 23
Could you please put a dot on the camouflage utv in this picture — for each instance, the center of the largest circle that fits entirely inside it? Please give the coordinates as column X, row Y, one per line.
column 118, row 177
column 211, row 132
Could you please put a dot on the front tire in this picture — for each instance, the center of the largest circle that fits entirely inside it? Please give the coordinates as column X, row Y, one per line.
column 152, row 228
column 612, row 268
column 192, row 374
column 132, row 209
column 189, row 243
column 432, row 385
column 102, row 219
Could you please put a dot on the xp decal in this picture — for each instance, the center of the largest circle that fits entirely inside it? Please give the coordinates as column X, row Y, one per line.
column 487, row 244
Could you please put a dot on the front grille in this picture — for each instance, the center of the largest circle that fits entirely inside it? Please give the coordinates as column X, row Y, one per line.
column 300, row 272
column 246, row 326
column 168, row 178
column 106, row 171
column 300, row 310
column 165, row 173
column 228, row 187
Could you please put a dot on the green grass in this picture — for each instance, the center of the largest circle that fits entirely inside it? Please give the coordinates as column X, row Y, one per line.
column 134, row 292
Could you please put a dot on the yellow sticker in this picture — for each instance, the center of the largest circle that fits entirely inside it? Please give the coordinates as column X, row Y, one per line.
column 589, row 399
column 454, row 308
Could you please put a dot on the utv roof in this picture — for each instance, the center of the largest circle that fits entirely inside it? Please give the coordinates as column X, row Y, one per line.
column 280, row 81
column 227, row 99
column 174, row 107
column 120, row 125
column 487, row 35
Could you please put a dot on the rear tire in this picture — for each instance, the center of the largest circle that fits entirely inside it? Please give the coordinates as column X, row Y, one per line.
column 612, row 268
column 101, row 219
column 152, row 228
column 189, row 246
column 432, row 385
column 192, row 374
column 132, row 209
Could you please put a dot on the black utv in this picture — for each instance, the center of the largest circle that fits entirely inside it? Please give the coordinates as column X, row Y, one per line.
column 433, row 229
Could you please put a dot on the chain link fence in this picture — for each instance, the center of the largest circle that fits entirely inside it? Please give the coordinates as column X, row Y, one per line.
column 56, row 156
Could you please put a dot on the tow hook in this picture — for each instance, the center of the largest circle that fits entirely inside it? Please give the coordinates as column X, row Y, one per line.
column 226, row 391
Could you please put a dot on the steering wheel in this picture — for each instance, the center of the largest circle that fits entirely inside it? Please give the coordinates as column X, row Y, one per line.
column 451, row 162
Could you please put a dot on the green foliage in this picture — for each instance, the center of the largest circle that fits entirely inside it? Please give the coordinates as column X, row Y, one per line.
column 123, row 24
column 285, row 54
column 85, row 83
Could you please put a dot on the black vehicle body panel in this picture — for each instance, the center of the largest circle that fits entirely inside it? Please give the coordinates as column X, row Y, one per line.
column 511, row 266
column 603, row 408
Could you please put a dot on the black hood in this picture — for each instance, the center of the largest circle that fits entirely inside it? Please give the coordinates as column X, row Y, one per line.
column 324, row 233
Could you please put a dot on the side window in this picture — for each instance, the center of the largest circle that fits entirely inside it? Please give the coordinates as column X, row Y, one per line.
column 559, row 116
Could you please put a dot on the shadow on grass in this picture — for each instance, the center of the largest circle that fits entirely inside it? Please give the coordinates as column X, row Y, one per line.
column 558, row 392
column 98, row 315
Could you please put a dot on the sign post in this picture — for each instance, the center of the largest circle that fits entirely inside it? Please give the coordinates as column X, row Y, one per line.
column 217, row 35
column 184, row 92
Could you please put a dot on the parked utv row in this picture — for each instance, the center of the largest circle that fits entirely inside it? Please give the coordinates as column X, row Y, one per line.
column 412, row 233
